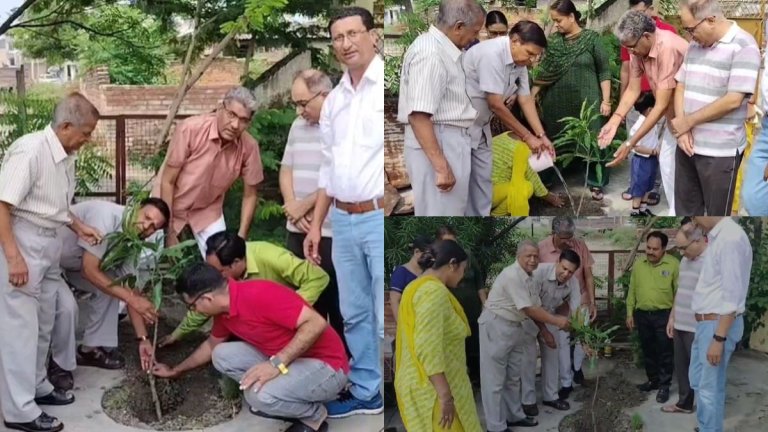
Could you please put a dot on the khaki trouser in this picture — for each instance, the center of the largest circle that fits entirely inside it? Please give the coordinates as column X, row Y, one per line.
column 27, row 318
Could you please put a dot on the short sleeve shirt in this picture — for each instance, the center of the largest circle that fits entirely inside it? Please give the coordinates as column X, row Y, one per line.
column 625, row 55
column 490, row 69
column 208, row 168
column 400, row 279
column 264, row 314
column 663, row 61
column 548, row 253
column 104, row 216
column 512, row 291
column 553, row 293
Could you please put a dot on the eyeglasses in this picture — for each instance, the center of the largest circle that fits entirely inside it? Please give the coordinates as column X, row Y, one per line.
column 303, row 103
column 634, row 45
column 352, row 35
column 231, row 115
column 191, row 306
column 683, row 248
column 690, row 30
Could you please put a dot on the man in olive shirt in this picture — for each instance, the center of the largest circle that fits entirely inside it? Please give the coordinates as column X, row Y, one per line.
column 650, row 299
column 237, row 259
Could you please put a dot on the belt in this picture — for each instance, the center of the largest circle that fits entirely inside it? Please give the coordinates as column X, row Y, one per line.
column 711, row 316
column 43, row 231
column 360, row 207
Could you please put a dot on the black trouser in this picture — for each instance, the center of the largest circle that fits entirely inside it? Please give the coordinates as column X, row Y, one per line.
column 327, row 304
column 705, row 185
column 683, row 341
column 657, row 346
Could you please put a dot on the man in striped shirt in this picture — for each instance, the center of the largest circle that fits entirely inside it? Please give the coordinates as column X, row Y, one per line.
column 717, row 78
column 437, row 111
column 37, row 184
column 681, row 328
column 299, row 172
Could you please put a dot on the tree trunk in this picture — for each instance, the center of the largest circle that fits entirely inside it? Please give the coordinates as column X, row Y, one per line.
column 152, row 379
column 647, row 229
column 248, row 58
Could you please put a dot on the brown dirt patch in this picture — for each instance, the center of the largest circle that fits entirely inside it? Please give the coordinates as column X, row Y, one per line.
column 588, row 208
column 614, row 393
column 192, row 402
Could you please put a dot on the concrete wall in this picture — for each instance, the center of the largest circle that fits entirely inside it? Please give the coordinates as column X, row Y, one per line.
column 608, row 14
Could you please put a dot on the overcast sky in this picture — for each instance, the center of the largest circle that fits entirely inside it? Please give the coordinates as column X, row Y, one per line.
column 6, row 6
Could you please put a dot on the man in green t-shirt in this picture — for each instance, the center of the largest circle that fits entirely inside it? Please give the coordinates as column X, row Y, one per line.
column 650, row 299
column 237, row 259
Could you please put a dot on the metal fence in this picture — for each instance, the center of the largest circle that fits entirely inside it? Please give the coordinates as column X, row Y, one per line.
column 126, row 140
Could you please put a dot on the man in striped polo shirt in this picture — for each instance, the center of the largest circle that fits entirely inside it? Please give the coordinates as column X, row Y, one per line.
column 681, row 328
column 715, row 82
column 299, row 172
column 437, row 111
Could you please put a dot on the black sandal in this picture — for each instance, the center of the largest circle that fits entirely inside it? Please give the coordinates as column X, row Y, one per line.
column 43, row 423
column 653, row 198
column 558, row 404
column 99, row 358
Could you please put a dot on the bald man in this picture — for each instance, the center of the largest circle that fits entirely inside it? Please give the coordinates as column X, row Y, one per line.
column 37, row 184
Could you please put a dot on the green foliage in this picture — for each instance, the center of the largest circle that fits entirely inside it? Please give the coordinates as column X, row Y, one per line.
column 33, row 113
column 230, row 389
column 613, row 47
column 270, row 127
column 392, row 66
column 579, row 140
column 591, row 337
column 757, row 297
column 637, row 422
column 415, row 24
column 131, row 43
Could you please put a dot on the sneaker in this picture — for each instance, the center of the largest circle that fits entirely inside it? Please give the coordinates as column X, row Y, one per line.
column 347, row 405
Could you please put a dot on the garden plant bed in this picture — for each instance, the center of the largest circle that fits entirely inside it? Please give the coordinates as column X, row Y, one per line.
column 589, row 207
column 615, row 394
column 194, row 401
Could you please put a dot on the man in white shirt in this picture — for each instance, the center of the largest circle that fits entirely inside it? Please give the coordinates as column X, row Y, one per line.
column 505, row 326
column 37, row 184
column 352, row 178
column 692, row 244
column 718, row 303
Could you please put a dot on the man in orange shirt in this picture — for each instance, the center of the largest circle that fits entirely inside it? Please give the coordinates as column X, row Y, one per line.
column 206, row 155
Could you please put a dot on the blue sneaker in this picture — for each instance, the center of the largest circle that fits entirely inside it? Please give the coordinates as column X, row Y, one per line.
column 347, row 405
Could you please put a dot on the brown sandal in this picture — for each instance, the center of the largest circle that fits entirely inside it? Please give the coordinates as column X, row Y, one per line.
column 673, row 408
column 99, row 358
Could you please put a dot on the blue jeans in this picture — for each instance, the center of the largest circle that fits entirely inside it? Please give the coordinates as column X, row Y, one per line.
column 708, row 381
column 358, row 255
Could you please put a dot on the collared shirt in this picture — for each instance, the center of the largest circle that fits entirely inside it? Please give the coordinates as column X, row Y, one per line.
column 765, row 79
column 551, row 291
column 490, row 69
column 548, row 253
column 709, row 73
column 645, row 86
column 663, row 61
column 352, row 125
column 652, row 286
column 724, row 281
column 432, row 81
column 207, row 170
column 37, row 178
column 511, row 292
column 690, row 270
column 265, row 261
column 104, row 216
column 264, row 314
column 304, row 155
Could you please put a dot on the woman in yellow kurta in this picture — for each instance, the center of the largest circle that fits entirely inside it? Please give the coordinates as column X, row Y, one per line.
column 514, row 181
column 433, row 389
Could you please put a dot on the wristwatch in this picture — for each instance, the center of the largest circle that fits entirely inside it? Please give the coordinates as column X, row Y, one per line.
column 276, row 362
column 719, row 338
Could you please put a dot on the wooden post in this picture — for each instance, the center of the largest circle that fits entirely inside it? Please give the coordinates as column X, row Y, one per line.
column 611, row 281
column 20, row 89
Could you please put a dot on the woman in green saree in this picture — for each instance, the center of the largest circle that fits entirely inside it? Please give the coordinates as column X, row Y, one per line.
column 575, row 68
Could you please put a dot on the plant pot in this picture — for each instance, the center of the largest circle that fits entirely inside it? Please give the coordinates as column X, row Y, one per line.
column 590, row 368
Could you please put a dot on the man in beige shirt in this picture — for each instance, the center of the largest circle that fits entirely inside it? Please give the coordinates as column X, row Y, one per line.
column 506, row 324
column 37, row 184
column 205, row 157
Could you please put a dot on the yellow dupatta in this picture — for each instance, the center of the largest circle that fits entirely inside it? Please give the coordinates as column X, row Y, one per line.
column 520, row 189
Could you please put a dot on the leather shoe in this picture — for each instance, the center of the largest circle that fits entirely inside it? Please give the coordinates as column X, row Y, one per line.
column 60, row 378
column 648, row 386
column 578, row 377
column 100, row 358
column 531, row 410
column 43, row 423
column 526, row 422
column 564, row 392
column 663, row 395
column 558, row 404
column 298, row 426
column 56, row 397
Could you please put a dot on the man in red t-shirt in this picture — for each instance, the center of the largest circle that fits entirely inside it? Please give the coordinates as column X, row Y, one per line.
column 287, row 360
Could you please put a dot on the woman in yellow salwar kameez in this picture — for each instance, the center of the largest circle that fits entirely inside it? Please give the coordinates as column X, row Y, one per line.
column 433, row 389
column 514, row 181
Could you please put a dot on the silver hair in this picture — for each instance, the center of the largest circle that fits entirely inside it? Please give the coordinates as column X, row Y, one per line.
column 315, row 80
column 692, row 232
column 632, row 25
column 526, row 243
column 74, row 109
column 563, row 225
column 702, row 9
column 451, row 12
column 241, row 95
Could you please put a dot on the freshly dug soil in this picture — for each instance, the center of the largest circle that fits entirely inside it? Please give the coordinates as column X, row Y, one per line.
column 589, row 207
column 192, row 402
column 614, row 393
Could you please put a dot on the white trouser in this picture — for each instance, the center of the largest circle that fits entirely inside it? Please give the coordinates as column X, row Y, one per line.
column 63, row 342
column 667, row 168
column 212, row 229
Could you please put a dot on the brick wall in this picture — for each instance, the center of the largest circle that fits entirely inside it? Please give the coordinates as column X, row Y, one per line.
column 225, row 70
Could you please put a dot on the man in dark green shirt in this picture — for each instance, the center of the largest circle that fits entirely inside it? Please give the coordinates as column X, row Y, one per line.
column 650, row 299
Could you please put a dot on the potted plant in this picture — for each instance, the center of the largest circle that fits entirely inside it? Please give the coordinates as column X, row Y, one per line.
column 593, row 339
